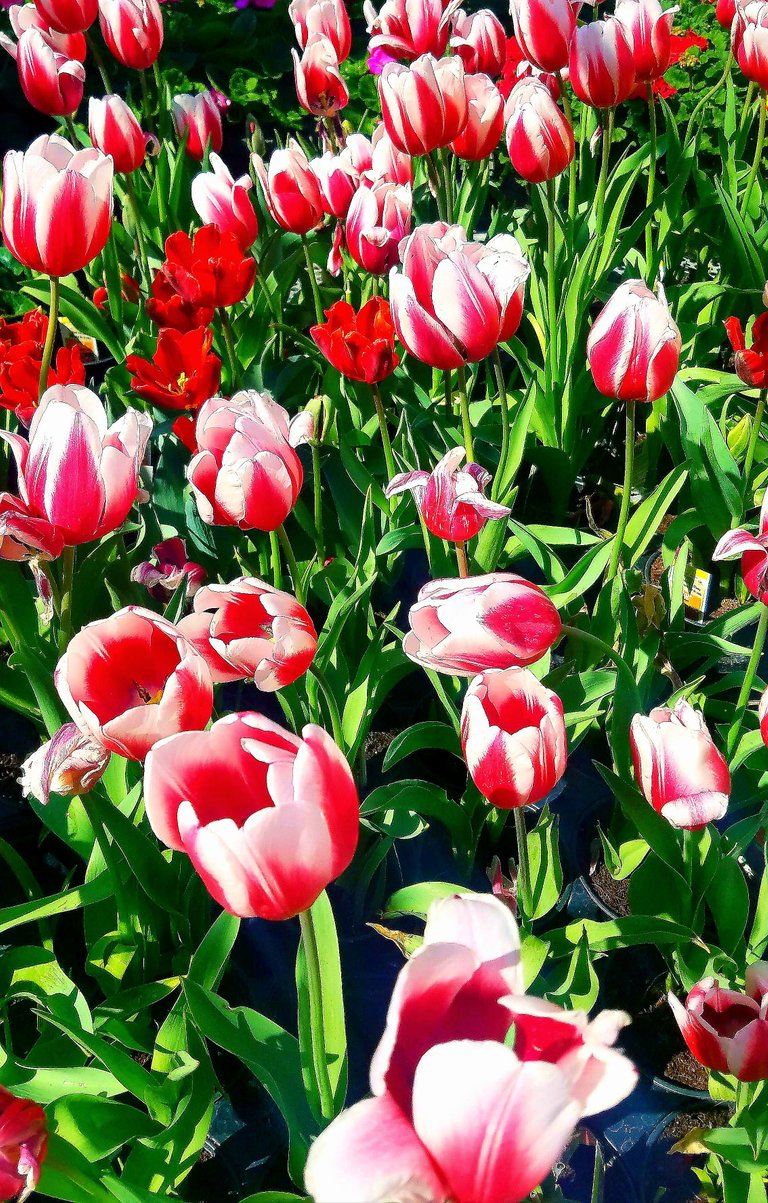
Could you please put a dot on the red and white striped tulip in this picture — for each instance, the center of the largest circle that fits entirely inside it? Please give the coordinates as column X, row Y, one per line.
column 601, row 66
column 727, row 1030
column 450, row 498
column 68, row 16
column 51, row 82
column 23, row 1145
column 678, row 768
column 634, row 345
column 539, row 136
column 753, row 550
column 406, row 29
column 544, row 30
column 223, row 201
column 424, row 105
column 290, row 188
column 328, row 18
column 749, row 40
column 485, row 120
column 378, row 219
column 480, row 42
column 725, row 11
column 650, row 35
column 115, row 131
column 133, row 31
column 320, row 88
column 338, row 179
column 26, row 16
column 199, row 117
column 69, row 763
column 387, row 162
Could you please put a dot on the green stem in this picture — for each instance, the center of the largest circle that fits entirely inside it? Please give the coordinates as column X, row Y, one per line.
column 602, row 182
column 331, row 703
column 99, row 61
column 130, row 193
column 277, row 568
column 315, row 988
column 748, row 102
column 317, row 487
column 612, row 655
column 146, row 103
column 65, row 608
column 629, row 460
column 755, row 435
column 707, row 97
column 293, row 566
column 437, row 188
column 651, row 184
column 505, row 425
column 758, row 156
column 552, row 356
column 747, row 683
column 313, row 282
column 69, row 123
column 229, row 342
column 572, row 166
column 523, row 864
column 50, row 336
column 466, row 424
column 389, row 459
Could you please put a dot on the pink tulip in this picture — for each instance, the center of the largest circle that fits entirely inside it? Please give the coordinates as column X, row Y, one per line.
column 338, row 177
column 485, row 120
column 513, row 737
column 70, row 763
column 68, row 16
column 601, row 67
column 223, row 201
column 23, row 1144
column 749, row 40
column 544, row 30
column 753, row 550
column 387, row 162
column 132, row 679
column 246, row 472
column 115, row 131
column 379, row 218
column 51, row 82
column 727, row 1030
column 75, row 472
column 407, row 29
column 162, row 578
column 250, row 629
column 634, row 345
column 133, row 31
column 454, row 301
column 649, row 31
column 325, row 17
column 320, row 87
column 465, row 1054
column 678, row 768
column 424, row 106
column 23, row 536
column 291, row 191
column 26, row 16
column 480, row 42
column 268, row 819
column 450, row 498
column 725, row 12
column 469, row 625
column 199, row 117
column 539, row 136
column 57, row 205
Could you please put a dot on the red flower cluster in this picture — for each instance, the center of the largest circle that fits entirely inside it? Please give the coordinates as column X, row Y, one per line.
column 182, row 374
column 200, row 274
column 359, row 345
column 21, row 355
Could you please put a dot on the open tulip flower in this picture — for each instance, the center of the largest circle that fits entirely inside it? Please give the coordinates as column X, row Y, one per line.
column 69, row 763
column 678, row 768
column 424, row 105
column 450, row 498
column 169, row 566
column 359, row 345
column 727, row 1030
column 753, row 550
column 320, row 87
column 23, row 1145
column 485, row 120
column 183, row 372
column 406, row 29
column 200, row 274
column 750, row 363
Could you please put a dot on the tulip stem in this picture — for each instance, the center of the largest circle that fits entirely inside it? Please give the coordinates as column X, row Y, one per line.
column 758, row 155
column 330, row 701
column 466, row 425
column 316, row 1019
column 707, row 97
column 434, row 180
column 389, row 459
column 755, row 435
column 65, row 605
column 317, row 493
column 72, row 132
column 612, row 655
column 277, row 568
column 747, row 683
column 626, row 496
column 572, row 165
column 552, row 356
column 603, row 177
column 313, row 281
column 99, row 61
column 229, row 343
column 505, row 431
column 50, row 336
column 461, row 557
column 651, row 184
column 523, row 864
column 293, row 566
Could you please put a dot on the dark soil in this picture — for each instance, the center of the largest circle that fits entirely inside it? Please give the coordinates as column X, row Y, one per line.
column 684, row 1069
column 377, row 742
column 656, row 571
column 10, row 771
column 726, row 606
column 685, row 1122
column 615, row 894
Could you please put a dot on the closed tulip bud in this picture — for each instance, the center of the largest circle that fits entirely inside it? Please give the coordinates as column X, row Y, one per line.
column 634, row 345
column 468, row 625
column 601, row 67
column 450, row 498
column 246, row 472
column 133, row 31
column 325, row 17
column 753, row 550
column 539, row 136
column 68, row 16
column 762, row 714
column 406, row 29
column 223, row 201
column 378, row 219
column 678, row 768
column 749, row 40
column 267, row 818
column 513, row 737
column 70, row 763
column 544, row 30
column 23, row 1145
column 725, row 1030
column 485, row 120
column 51, row 82
column 725, row 12
column 250, row 629
column 338, row 179
column 319, row 85
column 115, row 131
column 454, row 301
column 26, row 16
column 480, row 42
column 199, row 118
column 389, row 163
column 291, row 191
column 650, row 35
column 425, row 105
column 57, row 205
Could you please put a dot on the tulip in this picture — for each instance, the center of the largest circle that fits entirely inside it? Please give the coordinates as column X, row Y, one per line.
column 544, row 30
column 338, row 180
column 753, row 550
column 200, row 274
column 750, row 363
column 450, row 498
column 51, row 189
column 26, row 16
column 24, row 536
column 387, row 162
column 246, row 472
column 68, row 16
column 223, row 201
column 465, row 1054
column 634, row 345
column 199, row 117
column 678, row 768
column 250, row 629
column 649, row 30
column 133, row 31
column 424, row 106
column 379, row 218
column 480, row 42
column 539, row 136
column 762, row 714
column 183, row 372
column 325, row 17
column 70, row 763
column 51, row 82
column 163, row 577
column 727, row 1030
column 268, row 819
column 475, row 623
column 132, row 679
column 485, row 120
column 725, row 12
column 454, row 301
column 601, row 67
column 320, row 87
column 749, row 40
column 23, row 1145
column 75, row 472
column 115, row 131
column 291, row 191
column 407, row 29
column 359, row 345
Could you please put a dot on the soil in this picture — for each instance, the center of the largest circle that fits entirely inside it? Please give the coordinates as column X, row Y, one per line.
column 684, row 1069
column 615, row 894
column 377, row 742
column 10, row 771
column 726, row 606
column 685, row 1122
column 656, row 571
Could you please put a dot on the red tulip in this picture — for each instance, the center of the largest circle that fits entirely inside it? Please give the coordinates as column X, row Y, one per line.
column 359, row 345
column 200, row 274
column 378, row 219
column 480, row 42
column 407, row 29
column 70, row 763
column 544, row 30
column 469, row 625
column 727, row 1030
column 424, row 105
column 753, row 550
column 320, row 87
column 115, row 130
column 325, row 17
column 268, row 819
column 250, row 629
column 21, row 355
column 450, row 498
column 133, row 31
column 518, row 67
column 51, row 189
column 750, row 363
column 68, row 16
column 649, row 30
column 725, row 12
column 387, row 162
column 246, row 472
column 291, row 191
column 132, row 679
column 26, row 16
column 50, row 81
column 634, row 345
column 678, row 768
column 539, row 136
column 485, row 120
column 162, row 578
column 199, row 117
column 23, row 1144
column 183, row 372
column 749, row 40
column 74, row 472
column 454, row 301
column 601, row 67
column 223, row 201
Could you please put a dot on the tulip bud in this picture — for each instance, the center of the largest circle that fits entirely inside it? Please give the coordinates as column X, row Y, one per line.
column 328, row 18
column 749, row 41
column 601, row 66
column 291, row 191
column 544, row 30
column 116, row 132
column 389, row 163
column 424, row 106
column 678, row 768
column 70, row 763
column 485, row 120
column 68, row 16
column 649, row 30
column 480, row 42
column 133, row 31
column 725, row 12
column 199, row 117
column 379, row 218
column 450, row 498
column 220, row 200
column 634, row 345
column 407, row 29
column 320, row 409
column 51, row 82
column 539, row 136
column 255, row 136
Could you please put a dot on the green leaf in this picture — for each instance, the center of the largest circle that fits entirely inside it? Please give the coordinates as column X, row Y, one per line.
column 715, row 477
column 545, row 867
column 98, row 1127
column 644, row 523
column 332, row 1033
column 430, row 735
column 425, row 799
column 417, row 899
column 83, row 315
